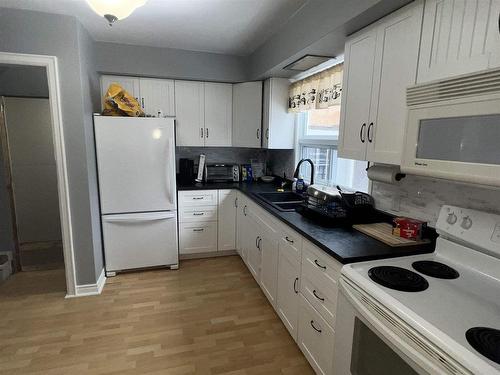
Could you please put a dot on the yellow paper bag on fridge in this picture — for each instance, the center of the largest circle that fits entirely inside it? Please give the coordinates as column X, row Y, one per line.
column 118, row 102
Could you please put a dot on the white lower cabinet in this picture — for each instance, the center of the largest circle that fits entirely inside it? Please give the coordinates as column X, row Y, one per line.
column 226, row 219
column 198, row 237
column 287, row 304
column 268, row 246
column 252, row 241
column 315, row 339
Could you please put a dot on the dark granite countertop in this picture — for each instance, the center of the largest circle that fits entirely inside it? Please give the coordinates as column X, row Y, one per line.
column 347, row 245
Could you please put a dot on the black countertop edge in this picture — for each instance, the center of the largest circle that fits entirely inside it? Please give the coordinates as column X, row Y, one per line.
column 375, row 249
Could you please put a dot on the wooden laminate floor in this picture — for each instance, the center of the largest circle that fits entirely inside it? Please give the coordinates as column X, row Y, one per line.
column 209, row 317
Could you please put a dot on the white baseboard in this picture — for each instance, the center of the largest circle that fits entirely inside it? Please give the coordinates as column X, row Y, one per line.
column 90, row 289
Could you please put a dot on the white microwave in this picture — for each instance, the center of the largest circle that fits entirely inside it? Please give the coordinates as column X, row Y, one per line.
column 453, row 129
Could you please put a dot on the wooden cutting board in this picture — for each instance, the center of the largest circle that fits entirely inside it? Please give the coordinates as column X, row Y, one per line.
column 383, row 232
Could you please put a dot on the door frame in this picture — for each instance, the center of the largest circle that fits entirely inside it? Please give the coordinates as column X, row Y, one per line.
column 51, row 66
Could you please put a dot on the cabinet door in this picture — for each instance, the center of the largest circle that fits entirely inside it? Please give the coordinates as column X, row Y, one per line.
column 357, row 88
column 287, row 304
column 190, row 113
column 458, row 37
column 398, row 38
column 268, row 246
column 278, row 124
column 227, row 220
column 157, row 97
column 252, row 237
column 218, row 114
column 130, row 84
column 247, row 114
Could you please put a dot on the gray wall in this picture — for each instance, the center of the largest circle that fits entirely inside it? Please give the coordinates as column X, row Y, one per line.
column 16, row 80
column 6, row 240
column 57, row 35
column 169, row 63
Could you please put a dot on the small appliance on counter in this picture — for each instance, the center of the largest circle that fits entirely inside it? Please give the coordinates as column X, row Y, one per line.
column 186, row 171
column 222, row 173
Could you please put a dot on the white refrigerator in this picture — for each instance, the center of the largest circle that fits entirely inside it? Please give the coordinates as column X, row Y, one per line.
column 137, row 189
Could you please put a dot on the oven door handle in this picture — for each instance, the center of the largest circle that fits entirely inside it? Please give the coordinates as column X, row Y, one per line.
column 351, row 292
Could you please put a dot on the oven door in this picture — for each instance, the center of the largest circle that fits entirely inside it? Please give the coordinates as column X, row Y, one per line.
column 455, row 139
column 369, row 341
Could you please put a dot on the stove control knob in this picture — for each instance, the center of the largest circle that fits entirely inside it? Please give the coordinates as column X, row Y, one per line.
column 452, row 218
column 466, row 222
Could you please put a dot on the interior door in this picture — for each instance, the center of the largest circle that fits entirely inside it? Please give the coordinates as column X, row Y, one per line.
column 190, row 113
column 218, row 114
column 247, row 114
column 358, row 76
column 395, row 69
column 157, row 97
column 136, row 164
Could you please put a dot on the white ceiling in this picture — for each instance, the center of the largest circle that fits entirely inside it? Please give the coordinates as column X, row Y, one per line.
column 235, row 27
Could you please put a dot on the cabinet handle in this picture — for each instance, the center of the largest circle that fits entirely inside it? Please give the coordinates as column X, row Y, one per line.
column 361, row 133
column 295, row 285
column 201, row 132
column 316, row 329
column 258, row 133
column 236, row 202
column 319, row 265
column 370, row 127
column 198, row 213
column 267, row 133
column 257, row 242
column 206, row 132
column 142, row 103
column 288, row 240
column 245, row 210
column 318, row 297
column 198, row 230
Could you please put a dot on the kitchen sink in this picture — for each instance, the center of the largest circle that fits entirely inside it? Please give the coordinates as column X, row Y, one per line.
column 285, row 201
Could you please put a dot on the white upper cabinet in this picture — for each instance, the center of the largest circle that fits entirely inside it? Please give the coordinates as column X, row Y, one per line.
column 218, row 114
column 157, row 97
column 458, row 37
column 247, row 114
column 190, row 113
column 130, row 84
column 278, row 124
column 380, row 62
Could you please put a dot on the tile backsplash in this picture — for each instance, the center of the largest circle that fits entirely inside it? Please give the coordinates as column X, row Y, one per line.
column 422, row 197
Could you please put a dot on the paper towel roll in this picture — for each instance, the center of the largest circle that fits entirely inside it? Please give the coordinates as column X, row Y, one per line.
column 384, row 173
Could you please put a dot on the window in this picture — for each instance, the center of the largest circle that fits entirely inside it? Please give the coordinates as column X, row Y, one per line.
column 318, row 132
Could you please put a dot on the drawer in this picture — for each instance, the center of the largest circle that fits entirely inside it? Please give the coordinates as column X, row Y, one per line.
column 316, row 338
column 197, row 197
column 317, row 265
column 290, row 244
column 322, row 297
column 198, row 214
column 197, row 238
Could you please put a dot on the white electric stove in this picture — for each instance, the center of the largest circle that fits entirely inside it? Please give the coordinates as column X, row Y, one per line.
column 428, row 314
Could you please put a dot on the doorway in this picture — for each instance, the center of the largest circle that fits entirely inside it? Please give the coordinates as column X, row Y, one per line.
column 33, row 173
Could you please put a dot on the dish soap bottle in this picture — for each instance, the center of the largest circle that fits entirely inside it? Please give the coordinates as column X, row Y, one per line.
column 300, row 186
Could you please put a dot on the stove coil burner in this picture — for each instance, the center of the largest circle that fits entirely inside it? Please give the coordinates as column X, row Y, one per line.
column 398, row 278
column 486, row 341
column 435, row 269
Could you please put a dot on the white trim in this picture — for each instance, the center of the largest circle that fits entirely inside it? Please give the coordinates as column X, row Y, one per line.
column 50, row 64
column 90, row 289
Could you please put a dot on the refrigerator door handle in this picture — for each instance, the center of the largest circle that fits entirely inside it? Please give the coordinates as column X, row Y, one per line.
column 136, row 218
column 168, row 171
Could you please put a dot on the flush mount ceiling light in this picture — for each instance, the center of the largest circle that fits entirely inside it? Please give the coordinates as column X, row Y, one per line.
column 307, row 62
column 114, row 10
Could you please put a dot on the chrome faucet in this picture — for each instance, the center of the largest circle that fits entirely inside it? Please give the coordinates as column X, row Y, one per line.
column 296, row 174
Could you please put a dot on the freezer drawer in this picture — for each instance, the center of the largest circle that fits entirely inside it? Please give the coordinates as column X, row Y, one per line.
column 198, row 237
column 140, row 240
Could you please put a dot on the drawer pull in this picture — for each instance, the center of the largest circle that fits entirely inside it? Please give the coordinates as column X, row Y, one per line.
column 198, row 213
column 245, row 210
column 319, row 265
column 318, row 297
column 198, row 230
column 288, row 240
column 316, row 329
column 295, row 285
column 257, row 242
column 197, row 198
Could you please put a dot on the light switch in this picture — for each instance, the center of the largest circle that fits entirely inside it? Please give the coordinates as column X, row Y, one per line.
column 495, row 237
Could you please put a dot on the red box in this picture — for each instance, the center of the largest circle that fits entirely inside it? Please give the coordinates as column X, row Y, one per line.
column 408, row 228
